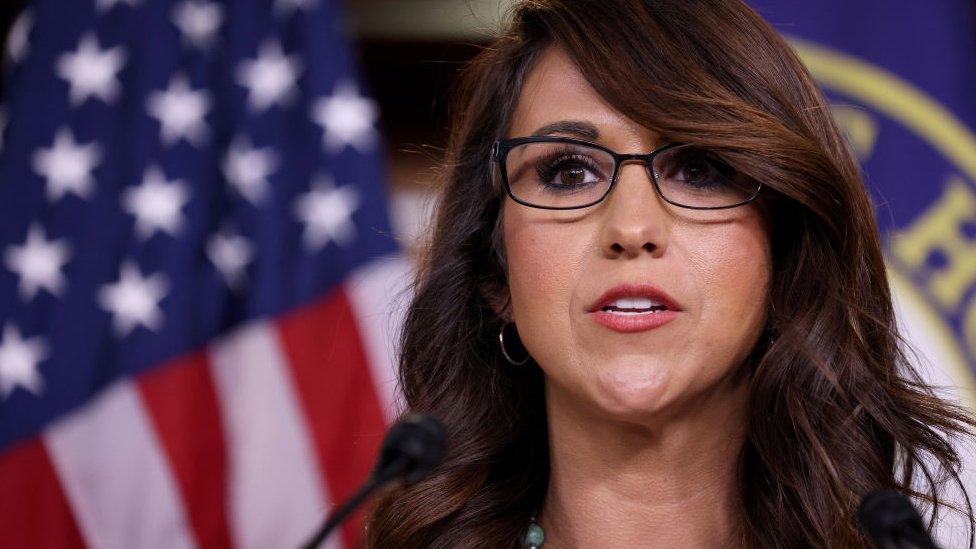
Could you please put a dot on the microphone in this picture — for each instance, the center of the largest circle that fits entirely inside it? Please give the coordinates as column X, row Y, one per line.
column 891, row 522
column 411, row 449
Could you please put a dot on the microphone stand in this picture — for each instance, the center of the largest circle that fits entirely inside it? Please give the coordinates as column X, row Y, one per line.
column 412, row 448
column 386, row 474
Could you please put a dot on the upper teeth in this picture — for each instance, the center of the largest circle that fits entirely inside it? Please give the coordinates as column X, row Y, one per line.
column 634, row 303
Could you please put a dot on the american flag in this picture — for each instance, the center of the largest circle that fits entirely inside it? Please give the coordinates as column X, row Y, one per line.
column 196, row 266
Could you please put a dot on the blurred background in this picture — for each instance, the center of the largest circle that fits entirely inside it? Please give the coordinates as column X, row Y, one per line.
column 208, row 214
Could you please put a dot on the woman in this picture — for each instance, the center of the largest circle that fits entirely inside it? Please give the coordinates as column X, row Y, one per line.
column 701, row 354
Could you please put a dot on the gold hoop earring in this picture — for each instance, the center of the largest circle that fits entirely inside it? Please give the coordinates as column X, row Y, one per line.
column 501, row 342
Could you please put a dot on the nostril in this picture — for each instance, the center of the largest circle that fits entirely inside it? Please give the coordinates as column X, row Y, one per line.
column 618, row 249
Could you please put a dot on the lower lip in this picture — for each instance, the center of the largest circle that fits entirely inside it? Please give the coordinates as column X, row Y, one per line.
column 628, row 323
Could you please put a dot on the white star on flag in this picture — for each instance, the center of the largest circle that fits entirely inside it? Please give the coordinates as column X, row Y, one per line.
column 286, row 7
column 106, row 5
column 198, row 21
column 134, row 300
column 67, row 165
column 180, row 111
column 271, row 78
column 230, row 253
column 18, row 43
column 38, row 263
column 327, row 212
column 91, row 71
column 247, row 169
column 347, row 118
column 19, row 358
column 156, row 203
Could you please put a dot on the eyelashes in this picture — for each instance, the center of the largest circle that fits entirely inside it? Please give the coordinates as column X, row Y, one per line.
column 553, row 163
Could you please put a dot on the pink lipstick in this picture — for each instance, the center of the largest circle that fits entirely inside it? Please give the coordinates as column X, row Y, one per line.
column 634, row 308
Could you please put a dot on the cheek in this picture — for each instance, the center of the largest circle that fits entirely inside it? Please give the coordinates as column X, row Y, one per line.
column 732, row 266
column 544, row 262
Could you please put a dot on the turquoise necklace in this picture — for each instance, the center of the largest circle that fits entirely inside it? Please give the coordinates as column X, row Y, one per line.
column 534, row 536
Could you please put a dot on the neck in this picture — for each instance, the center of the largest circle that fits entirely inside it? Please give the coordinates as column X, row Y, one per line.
column 663, row 482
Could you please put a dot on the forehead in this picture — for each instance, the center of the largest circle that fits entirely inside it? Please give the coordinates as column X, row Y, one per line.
column 555, row 90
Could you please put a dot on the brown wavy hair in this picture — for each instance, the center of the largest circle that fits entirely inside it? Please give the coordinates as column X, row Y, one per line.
column 836, row 408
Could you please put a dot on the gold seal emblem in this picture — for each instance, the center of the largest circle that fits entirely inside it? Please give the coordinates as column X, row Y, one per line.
column 937, row 305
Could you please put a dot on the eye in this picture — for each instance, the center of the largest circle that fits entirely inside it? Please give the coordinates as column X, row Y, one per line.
column 561, row 170
column 698, row 169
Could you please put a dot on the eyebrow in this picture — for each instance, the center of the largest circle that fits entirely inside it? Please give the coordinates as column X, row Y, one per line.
column 575, row 127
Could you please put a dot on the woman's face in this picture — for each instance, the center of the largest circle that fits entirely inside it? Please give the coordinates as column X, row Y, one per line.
column 714, row 265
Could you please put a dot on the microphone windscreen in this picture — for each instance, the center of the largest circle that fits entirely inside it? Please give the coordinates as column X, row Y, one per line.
column 889, row 519
column 418, row 441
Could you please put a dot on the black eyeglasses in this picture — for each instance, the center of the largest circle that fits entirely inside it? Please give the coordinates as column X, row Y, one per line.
column 562, row 173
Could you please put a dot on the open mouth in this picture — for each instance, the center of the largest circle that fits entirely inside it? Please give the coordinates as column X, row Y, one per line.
column 631, row 308
column 634, row 306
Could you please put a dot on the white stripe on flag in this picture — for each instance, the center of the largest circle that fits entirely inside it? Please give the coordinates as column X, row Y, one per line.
column 115, row 475
column 275, row 487
column 379, row 294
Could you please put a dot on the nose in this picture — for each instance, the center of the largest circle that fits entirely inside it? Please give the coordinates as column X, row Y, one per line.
column 635, row 218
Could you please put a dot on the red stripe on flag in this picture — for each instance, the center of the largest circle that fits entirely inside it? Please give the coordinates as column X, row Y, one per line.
column 182, row 403
column 33, row 510
column 333, row 378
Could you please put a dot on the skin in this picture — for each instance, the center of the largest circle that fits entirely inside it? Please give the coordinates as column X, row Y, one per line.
column 645, row 428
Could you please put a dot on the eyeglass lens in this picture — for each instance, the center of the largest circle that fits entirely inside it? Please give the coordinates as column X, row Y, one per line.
column 568, row 175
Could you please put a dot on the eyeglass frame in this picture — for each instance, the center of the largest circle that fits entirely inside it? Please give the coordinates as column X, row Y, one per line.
column 501, row 148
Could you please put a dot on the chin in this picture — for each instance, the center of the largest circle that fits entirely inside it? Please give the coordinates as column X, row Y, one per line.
column 633, row 390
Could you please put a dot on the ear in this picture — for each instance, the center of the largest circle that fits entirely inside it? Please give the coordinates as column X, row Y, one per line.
column 493, row 290
column 500, row 300
column 493, row 285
